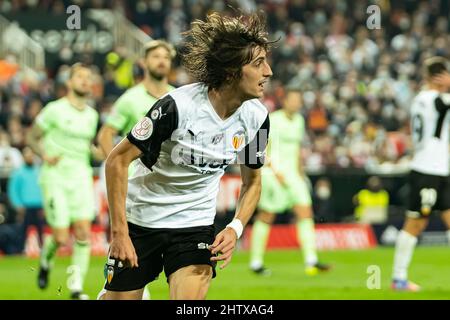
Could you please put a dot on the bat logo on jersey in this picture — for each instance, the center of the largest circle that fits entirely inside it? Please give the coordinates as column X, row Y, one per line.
column 143, row 129
column 155, row 114
column 237, row 140
column 110, row 274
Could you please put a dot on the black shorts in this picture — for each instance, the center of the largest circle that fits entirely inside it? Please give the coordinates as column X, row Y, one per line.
column 158, row 249
column 428, row 193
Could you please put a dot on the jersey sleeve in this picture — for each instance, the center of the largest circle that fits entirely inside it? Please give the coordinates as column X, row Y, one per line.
column 253, row 154
column 118, row 117
column 47, row 118
column 155, row 128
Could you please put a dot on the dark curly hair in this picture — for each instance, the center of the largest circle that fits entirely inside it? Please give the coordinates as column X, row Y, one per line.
column 215, row 50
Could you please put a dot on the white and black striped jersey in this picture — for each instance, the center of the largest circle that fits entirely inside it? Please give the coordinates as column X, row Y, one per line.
column 430, row 118
column 186, row 147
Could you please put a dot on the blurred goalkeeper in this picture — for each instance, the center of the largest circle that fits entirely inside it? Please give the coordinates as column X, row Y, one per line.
column 163, row 218
column 284, row 186
column 62, row 136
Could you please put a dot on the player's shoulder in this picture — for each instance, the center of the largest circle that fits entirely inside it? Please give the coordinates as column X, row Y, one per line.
column 187, row 93
column 255, row 111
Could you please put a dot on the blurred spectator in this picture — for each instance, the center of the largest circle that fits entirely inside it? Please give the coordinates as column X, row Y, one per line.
column 10, row 157
column 322, row 206
column 372, row 203
column 25, row 196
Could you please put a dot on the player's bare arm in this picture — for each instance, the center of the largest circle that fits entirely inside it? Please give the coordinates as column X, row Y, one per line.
column 106, row 138
column 116, row 182
column 34, row 138
column 225, row 241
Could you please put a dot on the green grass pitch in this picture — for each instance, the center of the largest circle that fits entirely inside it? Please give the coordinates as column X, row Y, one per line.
column 348, row 279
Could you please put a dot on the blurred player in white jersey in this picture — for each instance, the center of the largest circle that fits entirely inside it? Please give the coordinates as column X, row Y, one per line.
column 164, row 218
column 429, row 177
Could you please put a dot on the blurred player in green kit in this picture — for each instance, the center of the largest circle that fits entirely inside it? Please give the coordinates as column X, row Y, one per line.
column 135, row 102
column 62, row 136
column 284, row 187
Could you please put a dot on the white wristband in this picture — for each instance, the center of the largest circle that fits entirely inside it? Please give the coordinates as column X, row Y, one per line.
column 237, row 226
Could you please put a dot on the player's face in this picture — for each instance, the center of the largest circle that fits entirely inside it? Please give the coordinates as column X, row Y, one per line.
column 292, row 101
column 158, row 63
column 81, row 82
column 255, row 75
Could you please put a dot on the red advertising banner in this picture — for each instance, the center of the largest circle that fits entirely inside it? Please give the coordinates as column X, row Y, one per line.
column 328, row 237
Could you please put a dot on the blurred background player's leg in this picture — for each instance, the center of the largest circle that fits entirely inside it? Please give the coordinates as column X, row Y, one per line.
column 306, row 233
column 82, row 213
column 57, row 217
column 260, row 234
column 273, row 200
column 404, row 249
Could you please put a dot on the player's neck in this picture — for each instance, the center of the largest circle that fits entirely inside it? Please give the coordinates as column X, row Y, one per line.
column 224, row 101
column 76, row 101
column 156, row 88
column 432, row 86
column 289, row 114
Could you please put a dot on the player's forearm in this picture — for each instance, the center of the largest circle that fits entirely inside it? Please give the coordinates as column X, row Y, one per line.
column 116, row 184
column 248, row 200
column 34, row 142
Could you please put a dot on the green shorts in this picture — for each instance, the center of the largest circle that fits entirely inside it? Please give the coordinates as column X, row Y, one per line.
column 67, row 202
column 276, row 198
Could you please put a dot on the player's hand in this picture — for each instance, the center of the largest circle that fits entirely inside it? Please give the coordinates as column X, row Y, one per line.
column 443, row 79
column 51, row 160
column 224, row 244
column 97, row 153
column 122, row 248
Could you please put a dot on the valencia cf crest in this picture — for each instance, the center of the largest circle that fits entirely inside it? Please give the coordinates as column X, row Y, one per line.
column 238, row 139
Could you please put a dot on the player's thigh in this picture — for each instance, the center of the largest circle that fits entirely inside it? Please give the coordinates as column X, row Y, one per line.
column 190, row 282
column 188, row 251
column 149, row 245
column 121, row 295
column 274, row 197
column 299, row 195
column 56, row 207
column 81, row 201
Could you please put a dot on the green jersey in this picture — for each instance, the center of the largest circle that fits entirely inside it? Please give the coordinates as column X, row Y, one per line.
column 285, row 138
column 68, row 134
column 131, row 107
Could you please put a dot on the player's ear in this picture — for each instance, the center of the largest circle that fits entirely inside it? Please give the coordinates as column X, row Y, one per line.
column 141, row 63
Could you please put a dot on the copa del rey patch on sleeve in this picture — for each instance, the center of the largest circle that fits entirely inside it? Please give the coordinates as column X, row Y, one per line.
column 143, row 129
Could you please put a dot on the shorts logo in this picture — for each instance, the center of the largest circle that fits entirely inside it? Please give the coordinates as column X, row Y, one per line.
column 237, row 140
column 428, row 200
column 155, row 114
column 143, row 129
column 110, row 274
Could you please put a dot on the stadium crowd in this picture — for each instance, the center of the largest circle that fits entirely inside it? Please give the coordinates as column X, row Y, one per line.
column 357, row 83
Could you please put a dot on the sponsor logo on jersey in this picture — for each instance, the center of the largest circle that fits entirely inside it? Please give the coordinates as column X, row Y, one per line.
column 143, row 129
column 217, row 138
